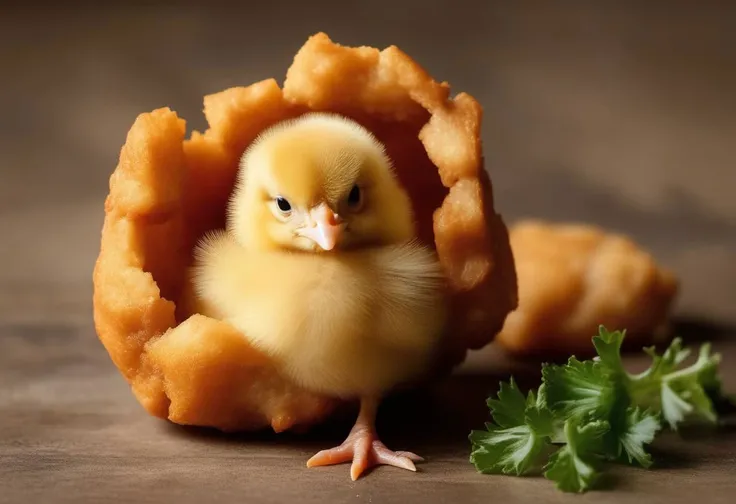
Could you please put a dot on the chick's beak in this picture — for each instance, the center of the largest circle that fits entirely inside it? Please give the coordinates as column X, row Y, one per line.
column 326, row 227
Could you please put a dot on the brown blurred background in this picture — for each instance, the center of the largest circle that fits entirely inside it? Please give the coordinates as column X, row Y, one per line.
column 617, row 113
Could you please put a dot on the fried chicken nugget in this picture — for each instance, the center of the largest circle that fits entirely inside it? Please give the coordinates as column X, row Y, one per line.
column 167, row 191
column 574, row 277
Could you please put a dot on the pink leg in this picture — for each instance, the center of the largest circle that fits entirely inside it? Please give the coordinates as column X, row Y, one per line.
column 363, row 447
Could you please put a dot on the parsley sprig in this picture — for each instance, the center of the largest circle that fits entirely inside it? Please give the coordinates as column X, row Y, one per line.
column 588, row 412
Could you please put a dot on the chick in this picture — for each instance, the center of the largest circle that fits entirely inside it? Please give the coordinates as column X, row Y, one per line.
column 319, row 268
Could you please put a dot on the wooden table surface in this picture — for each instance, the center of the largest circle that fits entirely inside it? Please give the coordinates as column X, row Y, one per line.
column 618, row 113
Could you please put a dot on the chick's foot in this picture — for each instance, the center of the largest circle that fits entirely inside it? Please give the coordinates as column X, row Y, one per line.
column 363, row 447
column 365, row 450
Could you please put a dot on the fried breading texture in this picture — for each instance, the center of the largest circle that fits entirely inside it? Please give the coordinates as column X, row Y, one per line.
column 574, row 277
column 167, row 191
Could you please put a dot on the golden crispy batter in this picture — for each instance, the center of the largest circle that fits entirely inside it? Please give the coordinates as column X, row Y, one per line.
column 573, row 278
column 167, row 191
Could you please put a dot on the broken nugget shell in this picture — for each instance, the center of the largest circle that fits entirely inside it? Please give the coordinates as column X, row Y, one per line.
column 168, row 190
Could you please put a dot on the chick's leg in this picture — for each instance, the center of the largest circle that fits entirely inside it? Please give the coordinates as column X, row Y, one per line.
column 363, row 447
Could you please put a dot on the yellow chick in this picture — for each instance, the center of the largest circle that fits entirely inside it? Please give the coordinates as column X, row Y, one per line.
column 320, row 269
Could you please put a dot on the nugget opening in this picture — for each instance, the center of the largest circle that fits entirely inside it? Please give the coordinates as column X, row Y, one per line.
column 415, row 171
column 167, row 191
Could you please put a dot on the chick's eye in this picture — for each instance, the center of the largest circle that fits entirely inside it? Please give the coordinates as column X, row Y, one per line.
column 355, row 197
column 283, row 204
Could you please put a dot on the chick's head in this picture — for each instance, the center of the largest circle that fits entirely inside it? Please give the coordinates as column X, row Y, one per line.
column 318, row 183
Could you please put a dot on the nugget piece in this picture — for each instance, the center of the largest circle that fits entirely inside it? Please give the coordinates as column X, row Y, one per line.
column 573, row 278
column 167, row 191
